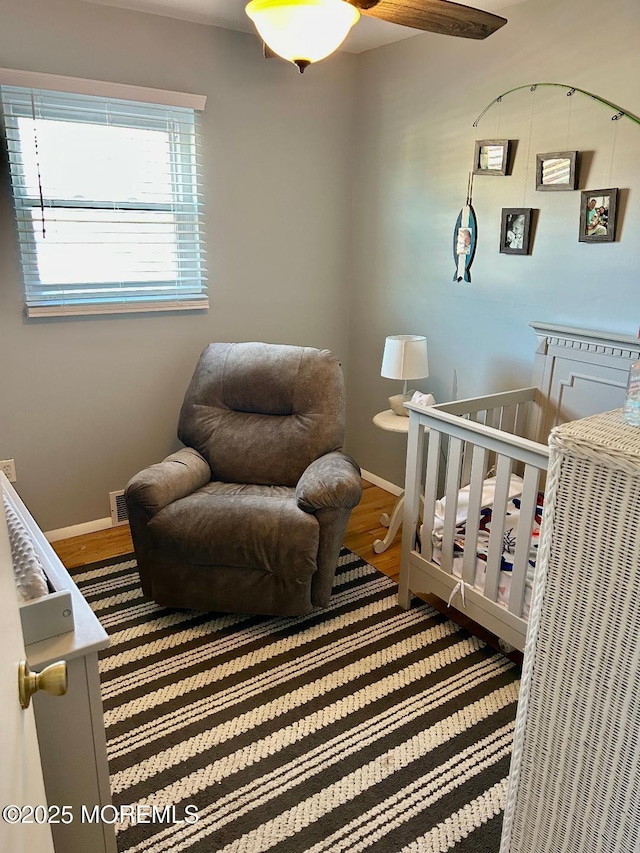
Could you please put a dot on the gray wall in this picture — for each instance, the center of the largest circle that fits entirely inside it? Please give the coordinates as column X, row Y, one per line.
column 331, row 201
column 417, row 103
column 87, row 402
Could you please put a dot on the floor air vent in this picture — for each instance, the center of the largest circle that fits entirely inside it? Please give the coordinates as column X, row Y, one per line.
column 119, row 514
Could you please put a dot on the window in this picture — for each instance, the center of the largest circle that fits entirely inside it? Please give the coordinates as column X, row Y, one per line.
column 107, row 201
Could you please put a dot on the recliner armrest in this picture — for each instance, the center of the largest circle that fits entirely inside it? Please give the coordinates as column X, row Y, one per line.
column 175, row 477
column 333, row 480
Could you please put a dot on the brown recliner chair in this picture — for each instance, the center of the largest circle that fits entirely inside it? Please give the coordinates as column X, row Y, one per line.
column 250, row 516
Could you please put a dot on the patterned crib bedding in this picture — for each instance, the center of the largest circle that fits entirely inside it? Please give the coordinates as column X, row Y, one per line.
column 510, row 538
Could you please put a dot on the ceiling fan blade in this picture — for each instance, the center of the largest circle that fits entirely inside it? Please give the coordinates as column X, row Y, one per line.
column 435, row 16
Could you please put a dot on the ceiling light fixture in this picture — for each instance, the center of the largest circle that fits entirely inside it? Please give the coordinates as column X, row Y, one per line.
column 302, row 31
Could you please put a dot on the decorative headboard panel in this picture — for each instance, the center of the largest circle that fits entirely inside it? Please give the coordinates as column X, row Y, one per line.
column 580, row 372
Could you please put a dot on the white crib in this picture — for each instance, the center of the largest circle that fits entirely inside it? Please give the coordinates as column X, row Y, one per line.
column 503, row 437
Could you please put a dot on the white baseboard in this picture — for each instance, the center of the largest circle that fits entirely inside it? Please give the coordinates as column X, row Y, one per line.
column 383, row 484
column 78, row 529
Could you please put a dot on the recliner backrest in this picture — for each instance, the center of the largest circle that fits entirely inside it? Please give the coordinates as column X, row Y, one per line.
column 261, row 413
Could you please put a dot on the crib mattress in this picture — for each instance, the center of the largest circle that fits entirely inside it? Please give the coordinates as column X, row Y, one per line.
column 510, row 537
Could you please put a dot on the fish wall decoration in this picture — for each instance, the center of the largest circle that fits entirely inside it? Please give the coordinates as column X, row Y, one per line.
column 464, row 238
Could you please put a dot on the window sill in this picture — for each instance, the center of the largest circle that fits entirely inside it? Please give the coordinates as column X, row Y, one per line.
column 116, row 308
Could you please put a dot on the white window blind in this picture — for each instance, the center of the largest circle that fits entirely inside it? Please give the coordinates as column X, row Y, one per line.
column 108, row 206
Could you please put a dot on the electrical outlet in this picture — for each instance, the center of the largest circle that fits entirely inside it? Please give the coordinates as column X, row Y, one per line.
column 8, row 468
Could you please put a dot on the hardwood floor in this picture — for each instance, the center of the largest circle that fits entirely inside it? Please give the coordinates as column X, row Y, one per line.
column 102, row 545
column 363, row 529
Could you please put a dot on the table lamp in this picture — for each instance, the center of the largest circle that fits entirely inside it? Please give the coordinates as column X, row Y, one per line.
column 405, row 357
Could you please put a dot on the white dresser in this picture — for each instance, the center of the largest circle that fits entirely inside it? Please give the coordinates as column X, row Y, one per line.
column 70, row 728
column 575, row 772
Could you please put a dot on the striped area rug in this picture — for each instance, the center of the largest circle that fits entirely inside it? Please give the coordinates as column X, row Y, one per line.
column 362, row 727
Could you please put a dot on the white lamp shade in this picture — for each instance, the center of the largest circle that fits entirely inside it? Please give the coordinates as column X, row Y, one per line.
column 405, row 357
column 302, row 30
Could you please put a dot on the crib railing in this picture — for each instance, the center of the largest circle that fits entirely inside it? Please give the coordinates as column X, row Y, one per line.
column 467, row 441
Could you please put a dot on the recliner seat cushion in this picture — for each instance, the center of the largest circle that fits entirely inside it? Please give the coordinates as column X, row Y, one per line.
column 229, row 524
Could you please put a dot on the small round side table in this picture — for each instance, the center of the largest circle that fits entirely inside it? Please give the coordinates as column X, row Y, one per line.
column 388, row 420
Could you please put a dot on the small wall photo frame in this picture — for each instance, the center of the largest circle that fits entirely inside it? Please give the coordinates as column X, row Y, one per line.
column 491, row 157
column 598, row 210
column 556, row 172
column 515, row 230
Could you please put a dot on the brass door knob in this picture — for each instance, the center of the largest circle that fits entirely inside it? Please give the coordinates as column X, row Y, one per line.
column 52, row 679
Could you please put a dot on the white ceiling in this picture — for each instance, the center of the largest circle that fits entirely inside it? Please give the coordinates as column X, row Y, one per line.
column 367, row 33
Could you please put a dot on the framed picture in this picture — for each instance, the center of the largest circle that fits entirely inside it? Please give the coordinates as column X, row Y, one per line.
column 598, row 216
column 556, row 172
column 515, row 231
column 491, row 157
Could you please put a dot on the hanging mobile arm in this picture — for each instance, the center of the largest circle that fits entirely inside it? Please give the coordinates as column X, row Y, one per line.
column 619, row 112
